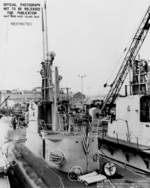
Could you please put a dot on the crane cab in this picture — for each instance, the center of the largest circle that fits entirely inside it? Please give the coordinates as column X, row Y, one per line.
column 132, row 121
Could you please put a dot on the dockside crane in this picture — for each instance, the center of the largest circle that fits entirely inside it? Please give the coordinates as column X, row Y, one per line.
column 4, row 101
column 128, row 60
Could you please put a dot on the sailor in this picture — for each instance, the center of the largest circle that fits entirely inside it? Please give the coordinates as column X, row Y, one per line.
column 14, row 122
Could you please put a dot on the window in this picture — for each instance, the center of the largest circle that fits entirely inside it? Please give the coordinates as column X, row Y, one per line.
column 145, row 109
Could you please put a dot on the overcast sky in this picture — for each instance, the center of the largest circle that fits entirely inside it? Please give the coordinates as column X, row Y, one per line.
column 88, row 36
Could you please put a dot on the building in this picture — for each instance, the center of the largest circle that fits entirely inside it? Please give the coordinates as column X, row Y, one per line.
column 77, row 99
column 20, row 96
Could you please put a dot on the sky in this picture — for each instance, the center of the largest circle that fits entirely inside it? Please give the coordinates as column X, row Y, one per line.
column 88, row 37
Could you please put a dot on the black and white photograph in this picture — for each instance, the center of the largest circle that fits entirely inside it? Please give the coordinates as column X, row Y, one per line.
column 74, row 93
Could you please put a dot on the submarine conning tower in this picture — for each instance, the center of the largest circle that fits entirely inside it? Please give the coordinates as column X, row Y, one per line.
column 45, row 111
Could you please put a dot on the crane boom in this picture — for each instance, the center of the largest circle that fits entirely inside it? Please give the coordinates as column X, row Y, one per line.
column 130, row 56
column 4, row 101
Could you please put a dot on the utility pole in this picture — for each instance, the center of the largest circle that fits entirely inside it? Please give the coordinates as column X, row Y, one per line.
column 82, row 76
column 67, row 106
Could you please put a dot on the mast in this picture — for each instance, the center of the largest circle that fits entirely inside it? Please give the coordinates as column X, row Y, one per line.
column 56, row 92
column 43, row 35
column 46, row 73
column 46, row 29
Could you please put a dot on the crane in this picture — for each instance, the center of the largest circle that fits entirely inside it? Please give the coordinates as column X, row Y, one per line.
column 4, row 101
column 130, row 56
